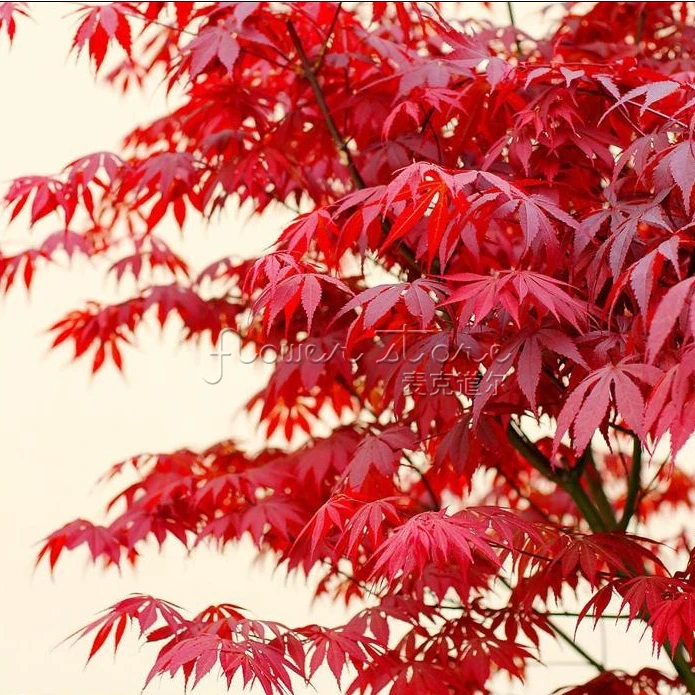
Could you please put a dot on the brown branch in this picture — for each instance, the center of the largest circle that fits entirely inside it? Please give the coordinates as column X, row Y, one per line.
column 324, row 48
column 598, row 494
column 632, row 499
column 425, row 482
column 339, row 141
column 310, row 75
column 567, row 480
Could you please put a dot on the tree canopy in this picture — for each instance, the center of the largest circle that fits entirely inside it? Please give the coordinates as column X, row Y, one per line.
column 482, row 320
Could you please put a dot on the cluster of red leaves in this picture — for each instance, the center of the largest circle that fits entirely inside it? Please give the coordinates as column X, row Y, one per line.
column 532, row 201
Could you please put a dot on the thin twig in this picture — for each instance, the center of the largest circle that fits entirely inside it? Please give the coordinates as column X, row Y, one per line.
column 338, row 140
column 512, row 21
column 565, row 637
column 426, row 483
column 568, row 640
column 324, row 48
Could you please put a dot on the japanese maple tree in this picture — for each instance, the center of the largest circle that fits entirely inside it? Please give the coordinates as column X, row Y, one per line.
column 483, row 316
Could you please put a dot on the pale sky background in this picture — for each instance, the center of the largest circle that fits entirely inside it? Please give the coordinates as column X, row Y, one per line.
column 61, row 429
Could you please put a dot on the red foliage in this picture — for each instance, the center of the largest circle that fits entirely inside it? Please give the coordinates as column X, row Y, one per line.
column 532, row 201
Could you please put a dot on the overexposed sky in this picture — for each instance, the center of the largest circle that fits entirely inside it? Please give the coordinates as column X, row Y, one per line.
column 60, row 428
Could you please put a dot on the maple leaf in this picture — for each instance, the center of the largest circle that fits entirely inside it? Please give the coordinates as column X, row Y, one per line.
column 433, row 537
column 47, row 193
column 100, row 541
column 154, row 253
column 558, row 559
column 338, row 648
column 587, row 406
column 647, row 681
column 111, row 326
column 676, row 165
column 8, row 20
column 524, row 352
column 344, row 524
column 376, row 303
column 513, row 291
column 288, row 289
column 259, row 662
column 145, row 611
column 26, row 260
column 668, row 312
column 651, row 93
column 642, row 274
column 670, row 404
column 666, row 603
column 380, row 453
column 216, row 42
column 99, row 26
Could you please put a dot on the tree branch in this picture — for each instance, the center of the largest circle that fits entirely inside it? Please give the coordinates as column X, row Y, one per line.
column 685, row 671
column 593, row 479
column 633, row 484
column 310, row 75
column 339, row 141
column 593, row 518
column 567, row 480
column 570, row 642
column 512, row 21
column 329, row 34
column 565, row 637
